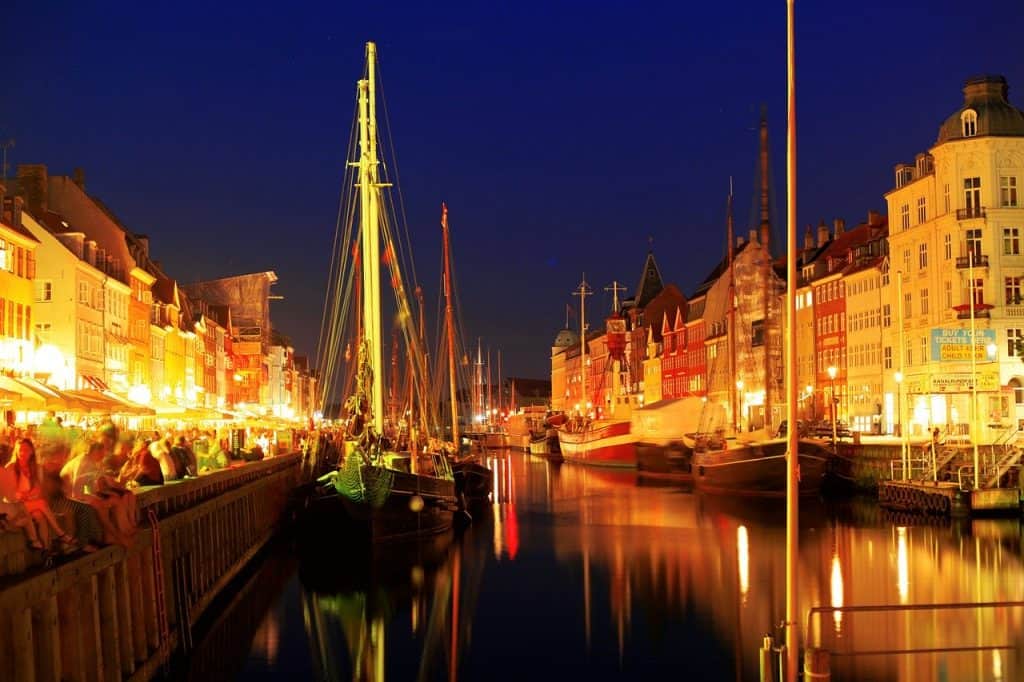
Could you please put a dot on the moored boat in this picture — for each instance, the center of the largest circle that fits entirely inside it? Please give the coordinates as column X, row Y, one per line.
column 605, row 442
column 758, row 468
column 664, row 442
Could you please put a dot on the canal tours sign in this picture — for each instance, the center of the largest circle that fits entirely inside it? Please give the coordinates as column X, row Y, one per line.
column 951, row 382
column 954, row 345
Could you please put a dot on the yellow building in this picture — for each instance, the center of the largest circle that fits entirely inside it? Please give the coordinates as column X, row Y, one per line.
column 139, row 311
column 17, row 270
column 652, row 366
column 954, row 213
column 566, row 339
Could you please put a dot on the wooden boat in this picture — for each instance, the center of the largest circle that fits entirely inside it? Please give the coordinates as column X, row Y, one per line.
column 663, row 430
column 473, row 481
column 604, row 442
column 387, row 495
column 758, row 469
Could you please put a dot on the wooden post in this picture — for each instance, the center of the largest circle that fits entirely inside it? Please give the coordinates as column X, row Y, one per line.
column 124, row 616
column 45, row 629
column 108, row 630
column 816, row 665
column 149, row 597
column 69, row 609
column 90, row 623
column 137, row 603
column 24, row 651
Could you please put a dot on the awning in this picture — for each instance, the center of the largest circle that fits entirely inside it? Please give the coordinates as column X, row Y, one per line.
column 20, row 396
column 95, row 383
column 129, row 407
column 55, row 399
column 107, row 402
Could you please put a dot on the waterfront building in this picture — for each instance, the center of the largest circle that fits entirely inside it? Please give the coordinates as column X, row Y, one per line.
column 560, row 380
column 140, row 335
column 955, row 245
column 17, row 271
column 673, row 355
column 695, row 365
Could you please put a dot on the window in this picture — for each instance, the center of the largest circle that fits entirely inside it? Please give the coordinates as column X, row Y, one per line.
column 1015, row 343
column 905, row 216
column 4, row 256
column 83, row 293
column 906, row 305
column 1008, row 192
column 973, row 244
column 906, row 260
column 1012, row 288
column 947, row 244
column 1011, row 241
column 945, row 198
column 924, row 349
column 969, row 119
column 886, row 315
column 924, row 301
column 972, row 195
column 44, row 291
column 949, row 294
column 922, row 255
column 979, row 292
column 757, row 333
column 922, row 210
column 908, row 356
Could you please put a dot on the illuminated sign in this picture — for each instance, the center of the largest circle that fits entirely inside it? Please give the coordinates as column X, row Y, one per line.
column 954, row 345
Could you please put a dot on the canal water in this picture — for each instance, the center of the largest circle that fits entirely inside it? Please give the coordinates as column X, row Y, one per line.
column 585, row 573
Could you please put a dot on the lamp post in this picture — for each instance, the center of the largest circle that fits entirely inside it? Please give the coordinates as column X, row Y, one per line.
column 835, row 403
column 739, row 394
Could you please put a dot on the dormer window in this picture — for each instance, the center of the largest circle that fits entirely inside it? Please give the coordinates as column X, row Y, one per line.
column 969, row 119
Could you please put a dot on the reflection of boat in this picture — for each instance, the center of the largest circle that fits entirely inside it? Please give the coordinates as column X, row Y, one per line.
column 386, row 494
column 758, row 468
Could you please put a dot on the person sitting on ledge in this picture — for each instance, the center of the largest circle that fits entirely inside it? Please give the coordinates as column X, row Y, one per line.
column 141, row 468
column 12, row 512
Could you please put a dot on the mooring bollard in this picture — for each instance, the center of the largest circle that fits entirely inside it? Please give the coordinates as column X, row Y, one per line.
column 817, row 665
column 767, row 653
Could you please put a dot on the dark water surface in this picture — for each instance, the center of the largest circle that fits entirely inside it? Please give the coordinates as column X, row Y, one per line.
column 582, row 573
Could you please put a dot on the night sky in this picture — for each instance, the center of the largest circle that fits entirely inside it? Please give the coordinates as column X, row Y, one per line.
column 562, row 135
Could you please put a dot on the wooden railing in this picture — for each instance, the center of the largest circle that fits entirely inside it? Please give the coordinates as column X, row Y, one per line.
column 101, row 616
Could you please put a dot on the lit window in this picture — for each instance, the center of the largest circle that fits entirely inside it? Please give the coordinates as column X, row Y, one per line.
column 44, row 291
column 947, row 242
column 970, row 122
column 905, row 216
column 1012, row 289
column 1011, row 241
column 922, row 255
column 1008, row 191
column 1015, row 342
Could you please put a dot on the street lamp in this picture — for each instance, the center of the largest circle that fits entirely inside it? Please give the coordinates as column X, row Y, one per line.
column 898, row 376
column 739, row 394
column 835, row 403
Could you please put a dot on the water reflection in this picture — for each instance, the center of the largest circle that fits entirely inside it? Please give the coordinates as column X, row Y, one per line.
column 578, row 571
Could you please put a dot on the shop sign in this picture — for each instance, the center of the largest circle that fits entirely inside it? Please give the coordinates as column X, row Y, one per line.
column 960, row 382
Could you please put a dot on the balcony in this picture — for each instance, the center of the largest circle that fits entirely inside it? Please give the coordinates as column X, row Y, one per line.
column 964, row 262
column 970, row 213
column 1013, row 310
column 981, row 311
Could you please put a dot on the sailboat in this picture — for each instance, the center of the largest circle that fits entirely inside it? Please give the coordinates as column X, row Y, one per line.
column 385, row 491
column 605, row 441
column 743, row 462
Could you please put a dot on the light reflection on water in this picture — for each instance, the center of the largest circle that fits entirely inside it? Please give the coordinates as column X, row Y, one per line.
column 583, row 571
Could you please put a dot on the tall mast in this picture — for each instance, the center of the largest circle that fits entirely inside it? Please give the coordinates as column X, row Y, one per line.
column 370, row 235
column 478, row 398
column 450, row 325
column 730, row 318
column 489, row 403
column 766, row 243
column 583, row 291
column 499, row 384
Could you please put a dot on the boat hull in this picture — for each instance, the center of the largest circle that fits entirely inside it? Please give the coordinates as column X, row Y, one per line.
column 399, row 517
column 473, row 481
column 758, row 469
column 601, row 444
column 546, row 446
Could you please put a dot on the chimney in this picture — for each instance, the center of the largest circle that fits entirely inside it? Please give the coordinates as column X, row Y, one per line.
column 822, row 233
column 33, row 183
column 809, row 239
column 739, row 242
column 753, row 236
column 874, row 218
column 838, row 226
column 79, row 178
column 17, row 208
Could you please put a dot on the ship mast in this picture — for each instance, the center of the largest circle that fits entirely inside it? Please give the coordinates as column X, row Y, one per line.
column 583, row 291
column 370, row 236
column 766, row 244
column 450, row 324
column 730, row 319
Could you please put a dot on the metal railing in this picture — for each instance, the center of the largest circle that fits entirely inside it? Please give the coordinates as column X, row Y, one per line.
column 980, row 261
column 970, row 212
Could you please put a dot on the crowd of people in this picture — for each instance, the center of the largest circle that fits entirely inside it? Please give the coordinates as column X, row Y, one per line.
column 70, row 489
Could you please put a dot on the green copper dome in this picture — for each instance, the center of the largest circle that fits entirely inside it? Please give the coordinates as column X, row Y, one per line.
column 986, row 97
column 566, row 338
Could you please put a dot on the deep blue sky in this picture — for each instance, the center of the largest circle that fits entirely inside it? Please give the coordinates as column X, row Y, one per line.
column 561, row 135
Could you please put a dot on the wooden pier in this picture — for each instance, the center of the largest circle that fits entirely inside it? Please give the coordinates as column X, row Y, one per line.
column 118, row 614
